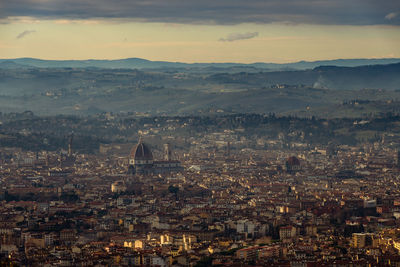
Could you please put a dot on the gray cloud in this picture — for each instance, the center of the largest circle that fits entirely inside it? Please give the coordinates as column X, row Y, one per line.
column 23, row 34
column 354, row 12
column 391, row 15
column 239, row 36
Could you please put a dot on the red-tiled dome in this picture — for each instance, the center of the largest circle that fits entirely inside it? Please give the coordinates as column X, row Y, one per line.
column 141, row 152
column 293, row 161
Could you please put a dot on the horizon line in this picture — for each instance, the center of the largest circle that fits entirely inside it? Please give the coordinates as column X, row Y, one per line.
column 225, row 62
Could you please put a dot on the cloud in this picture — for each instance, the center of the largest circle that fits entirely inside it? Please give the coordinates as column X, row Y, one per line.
column 23, row 34
column 334, row 12
column 391, row 15
column 239, row 36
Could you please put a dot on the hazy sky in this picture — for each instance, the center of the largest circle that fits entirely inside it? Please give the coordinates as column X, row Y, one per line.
column 200, row 30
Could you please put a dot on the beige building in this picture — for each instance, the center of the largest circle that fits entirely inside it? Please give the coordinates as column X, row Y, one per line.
column 287, row 232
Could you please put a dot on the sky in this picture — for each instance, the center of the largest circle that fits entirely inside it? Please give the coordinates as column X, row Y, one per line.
column 200, row 31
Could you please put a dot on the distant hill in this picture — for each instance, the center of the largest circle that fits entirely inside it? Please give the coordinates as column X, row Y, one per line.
column 138, row 63
column 234, row 89
column 372, row 76
column 9, row 64
column 323, row 77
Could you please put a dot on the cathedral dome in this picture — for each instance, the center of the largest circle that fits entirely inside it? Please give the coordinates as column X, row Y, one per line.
column 141, row 152
column 293, row 161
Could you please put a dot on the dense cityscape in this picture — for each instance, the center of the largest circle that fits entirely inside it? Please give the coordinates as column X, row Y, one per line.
column 221, row 198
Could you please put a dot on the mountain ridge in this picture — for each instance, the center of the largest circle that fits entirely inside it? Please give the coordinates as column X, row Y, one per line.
column 140, row 63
